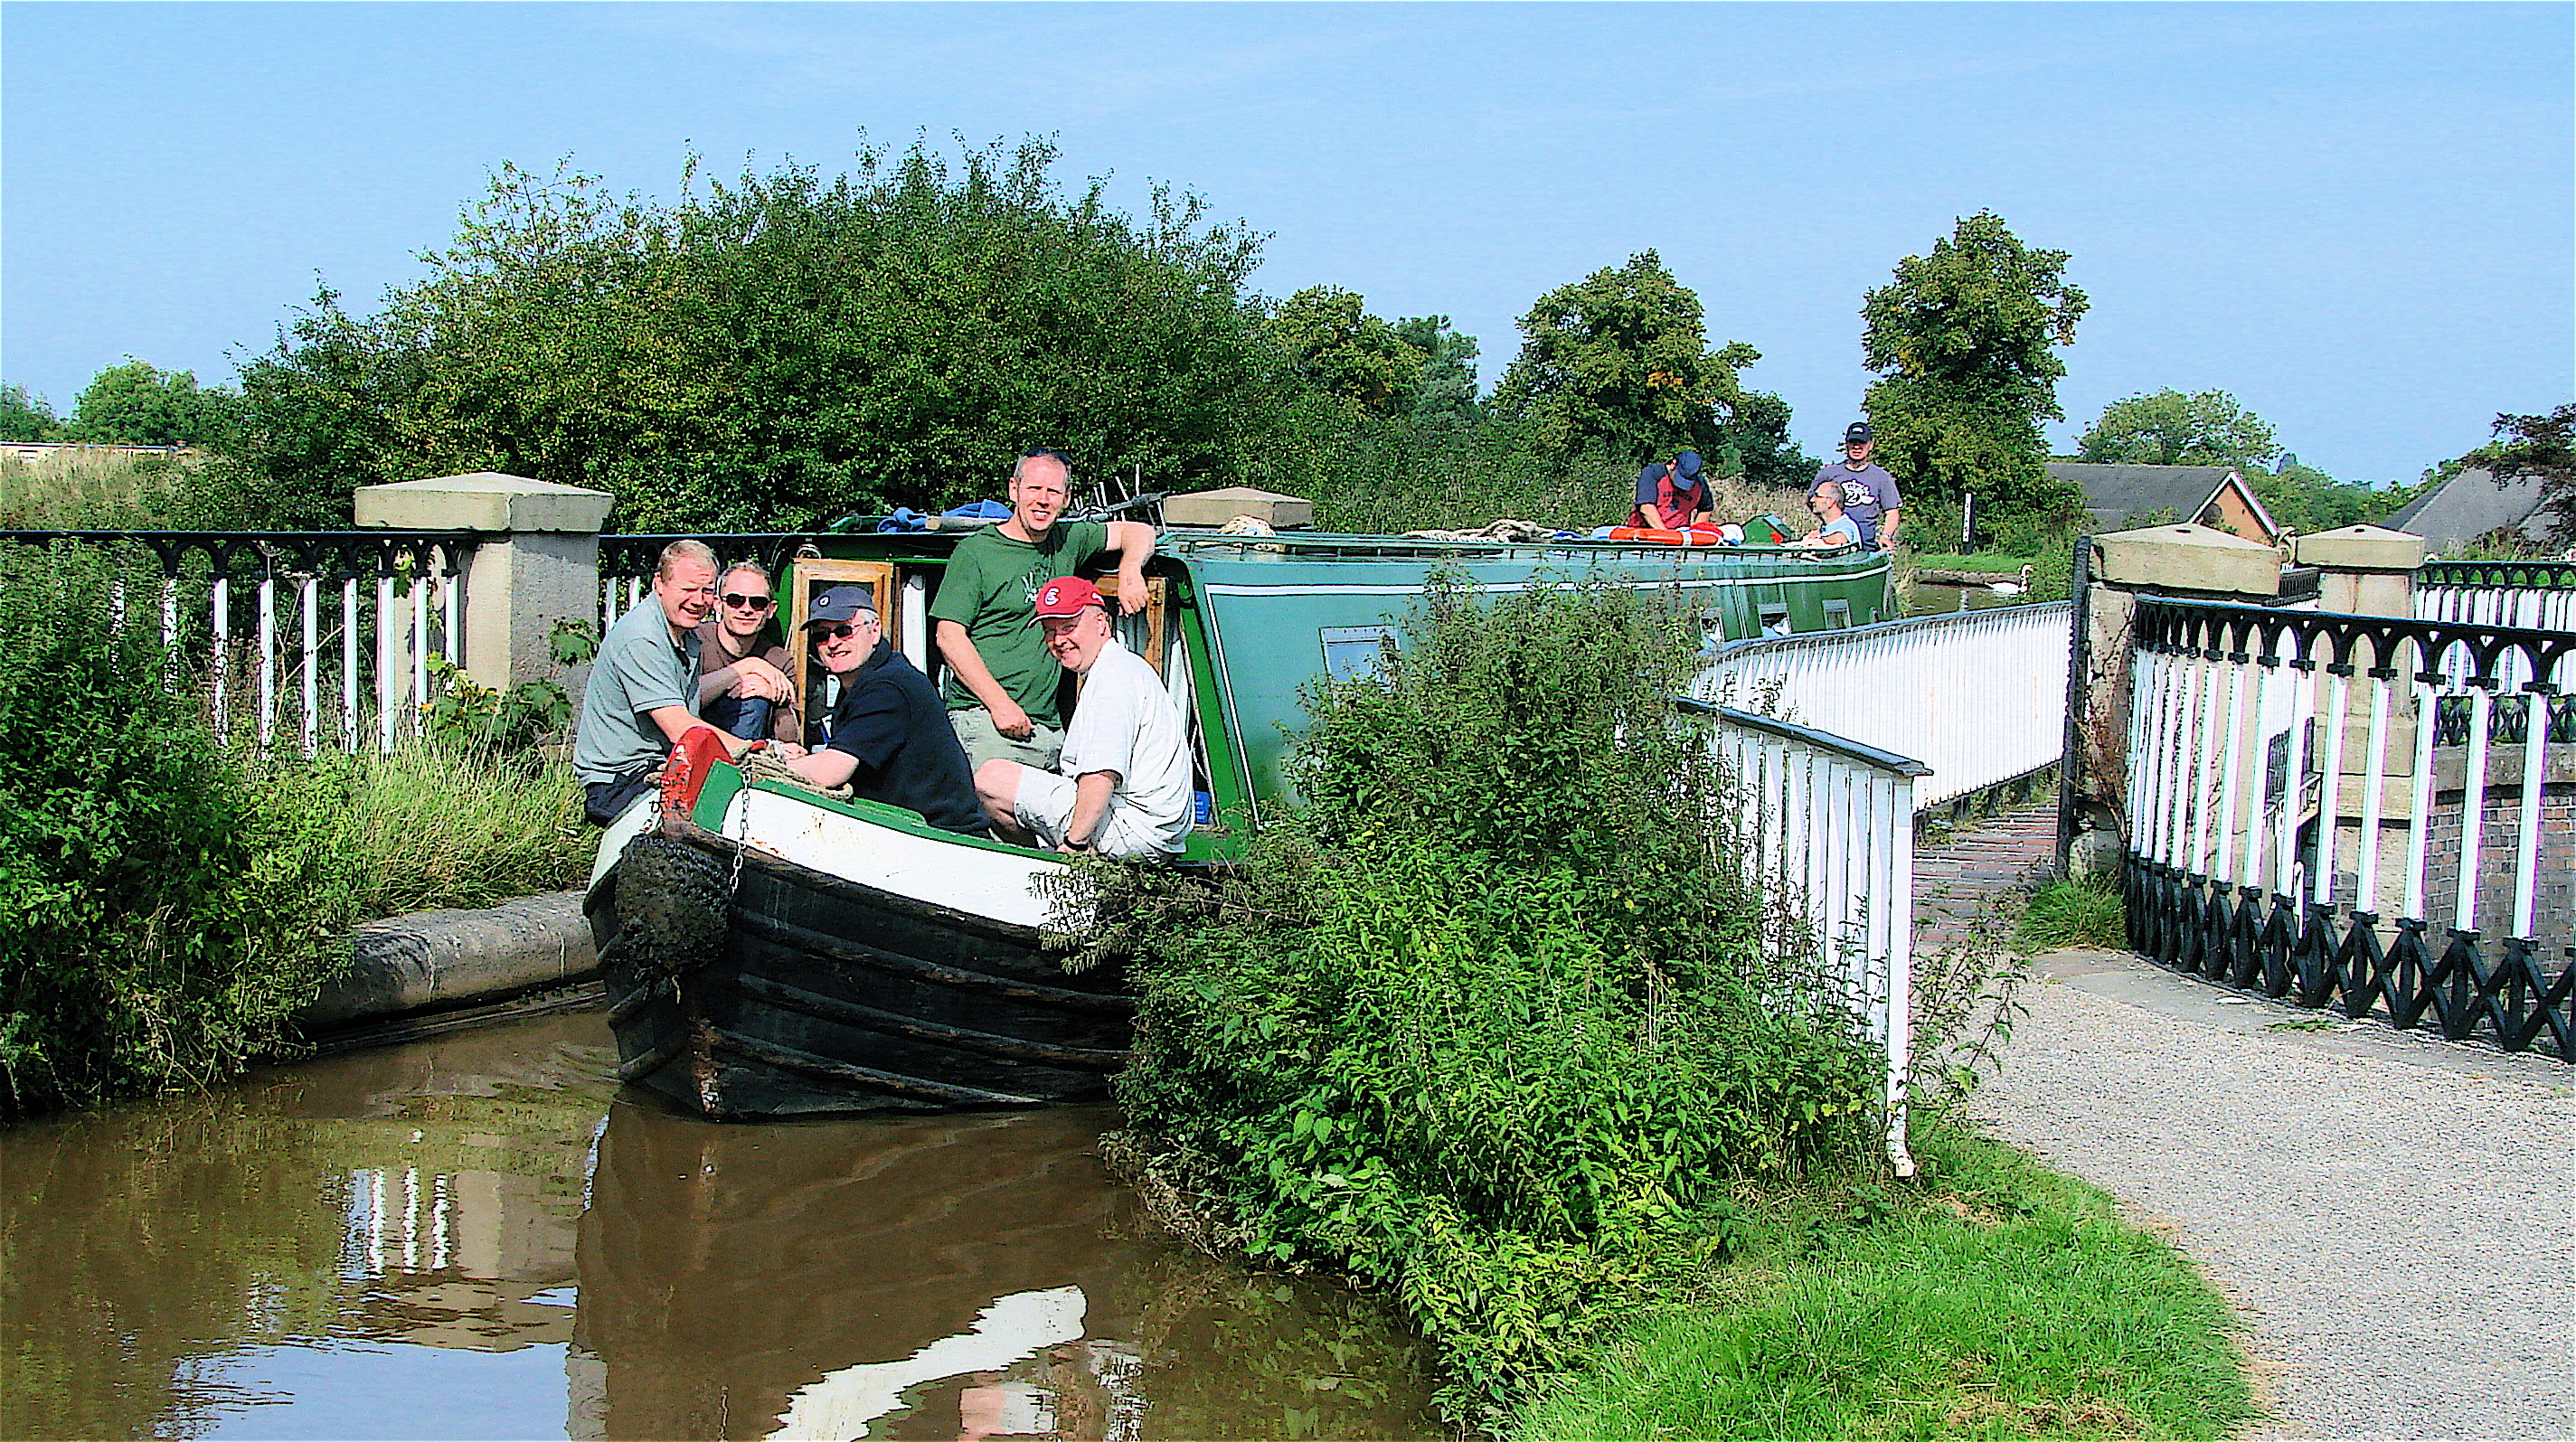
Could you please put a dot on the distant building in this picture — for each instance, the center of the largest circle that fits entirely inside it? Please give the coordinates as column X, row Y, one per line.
column 39, row 450
column 2118, row 497
column 2470, row 506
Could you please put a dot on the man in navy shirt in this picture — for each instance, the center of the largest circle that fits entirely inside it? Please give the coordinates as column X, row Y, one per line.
column 888, row 736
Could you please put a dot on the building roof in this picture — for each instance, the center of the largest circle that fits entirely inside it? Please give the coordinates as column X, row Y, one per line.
column 2114, row 495
column 2470, row 505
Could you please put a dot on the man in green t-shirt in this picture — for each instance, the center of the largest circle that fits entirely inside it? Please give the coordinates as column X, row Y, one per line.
column 1003, row 687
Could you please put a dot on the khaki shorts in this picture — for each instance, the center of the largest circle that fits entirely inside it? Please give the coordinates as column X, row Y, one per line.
column 974, row 728
column 1044, row 806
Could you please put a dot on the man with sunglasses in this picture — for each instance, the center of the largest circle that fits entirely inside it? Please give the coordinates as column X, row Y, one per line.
column 643, row 692
column 1006, row 695
column 743, row 688
column 890, row 738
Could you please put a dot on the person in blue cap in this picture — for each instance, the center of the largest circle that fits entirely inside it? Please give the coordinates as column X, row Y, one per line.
column 888, row 736
column 1672, row 496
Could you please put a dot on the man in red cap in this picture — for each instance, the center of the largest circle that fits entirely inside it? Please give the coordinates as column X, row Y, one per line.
column 1122, row 784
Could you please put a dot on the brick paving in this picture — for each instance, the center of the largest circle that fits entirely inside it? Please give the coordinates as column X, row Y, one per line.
column 1959, row 876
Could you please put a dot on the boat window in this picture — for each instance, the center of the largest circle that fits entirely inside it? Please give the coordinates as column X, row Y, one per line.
column 1837, row 615
column 1775, row 620
column 1351, row 652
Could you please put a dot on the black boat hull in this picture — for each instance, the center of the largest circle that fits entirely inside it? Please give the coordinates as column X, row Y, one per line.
column 778, row 991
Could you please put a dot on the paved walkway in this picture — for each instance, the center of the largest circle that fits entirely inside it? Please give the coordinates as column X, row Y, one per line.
column 1957, row 878
column 2391, row 1213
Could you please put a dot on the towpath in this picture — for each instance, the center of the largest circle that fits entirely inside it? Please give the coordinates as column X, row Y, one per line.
column 2391, row 1213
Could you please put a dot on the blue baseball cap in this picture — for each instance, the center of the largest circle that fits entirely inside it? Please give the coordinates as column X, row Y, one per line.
column 842, row 603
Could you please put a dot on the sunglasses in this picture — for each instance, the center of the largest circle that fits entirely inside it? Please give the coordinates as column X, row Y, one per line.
column 748, row 603
column 841, row 631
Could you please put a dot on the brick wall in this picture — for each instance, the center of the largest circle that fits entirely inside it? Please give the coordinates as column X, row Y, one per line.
column 2499, row 843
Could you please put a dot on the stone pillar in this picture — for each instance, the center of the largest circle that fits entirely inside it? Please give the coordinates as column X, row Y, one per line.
column 538, row 563
column 2188, row 562
column 2369, row 571
column 2363, row 570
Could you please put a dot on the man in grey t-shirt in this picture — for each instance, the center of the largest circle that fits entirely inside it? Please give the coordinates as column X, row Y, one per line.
column 1868, row 492
column 644, row 689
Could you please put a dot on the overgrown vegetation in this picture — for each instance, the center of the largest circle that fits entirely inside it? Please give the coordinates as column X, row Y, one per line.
column 2078, row 911
column 1489, row 1025
column 1489, row 1022
column 169, row 897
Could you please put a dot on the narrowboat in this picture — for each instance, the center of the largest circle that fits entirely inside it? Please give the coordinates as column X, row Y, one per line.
column 770, row 952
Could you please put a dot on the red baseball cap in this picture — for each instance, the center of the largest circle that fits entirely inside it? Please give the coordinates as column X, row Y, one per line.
column 1065, row 596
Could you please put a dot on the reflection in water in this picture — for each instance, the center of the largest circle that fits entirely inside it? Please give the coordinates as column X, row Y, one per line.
column 467, row 1236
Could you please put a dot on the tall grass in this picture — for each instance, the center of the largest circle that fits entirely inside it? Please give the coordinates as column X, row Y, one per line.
column 91, row 489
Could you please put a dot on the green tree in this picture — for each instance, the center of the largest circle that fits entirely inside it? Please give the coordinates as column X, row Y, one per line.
column 1964, row 341
column 1758, row 433
column 1333, row 344
column 135, row 404
column 779, row 350
column 2541, row 448
column 2169, row 428
column 26, row 418
column 1445, row 396
column 1618, row 364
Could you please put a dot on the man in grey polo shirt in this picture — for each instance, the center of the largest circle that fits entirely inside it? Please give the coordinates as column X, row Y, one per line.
column 643, row 694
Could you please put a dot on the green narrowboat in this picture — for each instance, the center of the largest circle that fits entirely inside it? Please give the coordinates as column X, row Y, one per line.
column 771, row 952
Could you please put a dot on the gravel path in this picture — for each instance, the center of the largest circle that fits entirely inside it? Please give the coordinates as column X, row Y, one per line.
column 2390, row 1212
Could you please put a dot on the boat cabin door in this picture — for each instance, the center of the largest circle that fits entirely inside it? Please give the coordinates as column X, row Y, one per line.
column 814, row 576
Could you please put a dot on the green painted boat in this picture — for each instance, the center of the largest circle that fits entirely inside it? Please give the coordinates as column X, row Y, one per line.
column 772, row 953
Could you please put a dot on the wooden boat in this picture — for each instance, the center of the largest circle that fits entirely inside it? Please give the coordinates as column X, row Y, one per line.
column 770, row 952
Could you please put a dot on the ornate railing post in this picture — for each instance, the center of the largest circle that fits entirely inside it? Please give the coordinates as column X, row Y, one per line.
column 2096, row 819
column 2365, row 571
column 541, row 567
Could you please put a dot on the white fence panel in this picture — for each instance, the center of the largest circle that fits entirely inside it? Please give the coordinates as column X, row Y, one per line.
column 1979, row 696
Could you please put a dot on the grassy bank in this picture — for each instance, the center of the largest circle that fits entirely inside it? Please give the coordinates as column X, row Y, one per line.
column 1991, row 1299
column 169, row 898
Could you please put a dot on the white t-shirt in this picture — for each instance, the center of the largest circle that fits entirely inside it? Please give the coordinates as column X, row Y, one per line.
column 1125, row 723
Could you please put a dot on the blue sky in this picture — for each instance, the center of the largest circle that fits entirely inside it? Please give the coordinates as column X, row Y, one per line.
column 2361, row 219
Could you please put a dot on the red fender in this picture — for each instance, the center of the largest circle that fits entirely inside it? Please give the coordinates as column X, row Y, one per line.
column 685, row 774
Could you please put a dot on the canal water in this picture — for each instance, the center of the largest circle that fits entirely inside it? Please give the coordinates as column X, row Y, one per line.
column 479, row 1236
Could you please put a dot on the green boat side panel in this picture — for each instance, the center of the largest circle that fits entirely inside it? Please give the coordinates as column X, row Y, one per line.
column 1280, row 620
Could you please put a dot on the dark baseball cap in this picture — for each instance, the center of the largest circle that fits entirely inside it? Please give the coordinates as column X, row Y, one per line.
column 842, row 603
column 1858, row 432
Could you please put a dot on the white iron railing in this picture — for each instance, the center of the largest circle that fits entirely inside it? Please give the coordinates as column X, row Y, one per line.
column 1826, row 830
column 2296, row 778
column 1979, row 696
column 2539, row 595
column 320, row 637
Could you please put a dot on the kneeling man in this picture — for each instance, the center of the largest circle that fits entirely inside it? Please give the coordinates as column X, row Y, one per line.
column 889, row 733
column 1122, row 785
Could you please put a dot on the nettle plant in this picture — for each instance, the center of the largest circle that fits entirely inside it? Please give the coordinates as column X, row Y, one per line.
column 466, row 713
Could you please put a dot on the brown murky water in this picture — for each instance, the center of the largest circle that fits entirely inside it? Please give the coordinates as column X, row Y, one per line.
column 477, row 1237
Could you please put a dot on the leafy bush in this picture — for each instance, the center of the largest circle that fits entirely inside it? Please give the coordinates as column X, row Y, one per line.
column 1487, row 1022
column 168, row 899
